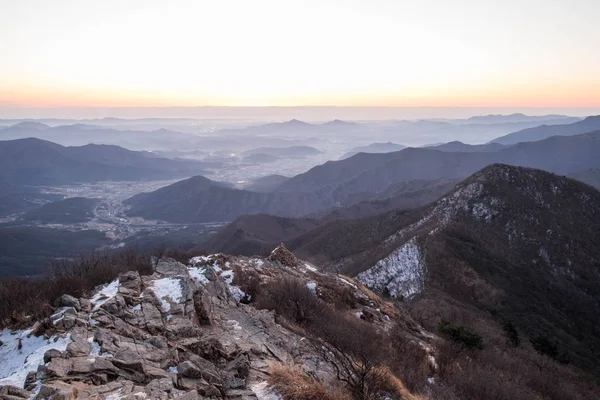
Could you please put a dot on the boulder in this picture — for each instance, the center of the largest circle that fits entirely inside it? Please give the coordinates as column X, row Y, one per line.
column 128, row 360
column 50, row 354
column 57, row 368
column 79, row 348
column 189, row 370
column 13, row 392
column 67, row 300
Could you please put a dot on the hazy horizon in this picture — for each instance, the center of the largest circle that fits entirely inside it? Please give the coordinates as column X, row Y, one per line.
column 281, row 113
column 429, row 53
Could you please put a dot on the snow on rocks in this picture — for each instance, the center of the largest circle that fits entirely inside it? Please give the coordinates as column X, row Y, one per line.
column 264, row 392
column 22, row 353
column 402, row 273
column 104, row 294
column 198, row 274
column 347, row 282
column 310, row 267
column 167, row 289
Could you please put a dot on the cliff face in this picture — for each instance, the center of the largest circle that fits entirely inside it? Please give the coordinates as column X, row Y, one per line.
column 183, row 332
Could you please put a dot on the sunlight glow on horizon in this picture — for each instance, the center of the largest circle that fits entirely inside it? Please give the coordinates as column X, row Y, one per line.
column 330, row 52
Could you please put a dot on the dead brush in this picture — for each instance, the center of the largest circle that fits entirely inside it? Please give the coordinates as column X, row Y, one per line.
column 293, row 384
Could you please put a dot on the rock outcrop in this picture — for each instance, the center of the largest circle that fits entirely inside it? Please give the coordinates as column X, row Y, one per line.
column 180, row 333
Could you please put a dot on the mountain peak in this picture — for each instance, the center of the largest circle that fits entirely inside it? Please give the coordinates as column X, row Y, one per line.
column 295, row 122
column 30, row 125
column 282, row 255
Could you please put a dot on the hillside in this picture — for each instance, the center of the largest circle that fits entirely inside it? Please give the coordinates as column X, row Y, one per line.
column 68, row 211
column 255, row 234
column 401, row 196
column 459, row 147
column 199, row 199
column 225, row 327
column 26, row 250
column 38, row 162
column 190, row 331
column 507, row 244
column 589, row 124
column 266, row 183
column 590, row 176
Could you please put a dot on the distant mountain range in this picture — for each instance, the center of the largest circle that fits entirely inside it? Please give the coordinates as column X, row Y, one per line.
column 460, row 147
column 336, row 181
column 39, row 162
column 589, row 124
column 361, row 178
column 517, row 117
column 374, row 148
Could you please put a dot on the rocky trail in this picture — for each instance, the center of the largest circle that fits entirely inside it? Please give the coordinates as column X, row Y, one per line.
column 181, row 333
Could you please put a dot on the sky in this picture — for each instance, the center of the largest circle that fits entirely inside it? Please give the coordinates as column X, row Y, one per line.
column 425, row 53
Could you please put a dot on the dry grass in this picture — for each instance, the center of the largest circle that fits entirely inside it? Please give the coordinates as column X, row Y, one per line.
column 385, row 306
column 293, row 384
column 396, row 386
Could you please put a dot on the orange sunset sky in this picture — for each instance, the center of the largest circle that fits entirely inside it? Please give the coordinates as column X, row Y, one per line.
column 290, row 52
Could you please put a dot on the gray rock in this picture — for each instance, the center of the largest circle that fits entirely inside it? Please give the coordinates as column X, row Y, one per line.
column 115, row 306
column 170, row 267
column 189, row 370
column 152, row 317
column 50, row 354
column 10, row 392
column 57, row 390
column 190, row 395
column 81, row 365
column 241, row 394
column 57, row 368
column 86, row 305
column 128, row 360
column 68, row 301
column 78, row 349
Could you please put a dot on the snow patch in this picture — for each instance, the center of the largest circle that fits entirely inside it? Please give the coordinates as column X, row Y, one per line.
column 312, row 286
column 167, row 289
column 227, row 276
column 264, row 392
column 198, row 260
column 257, row 262
column 402, row 273
column 310, row 267
column 16, row 363
column 348, row 283
column 198, row 275
column 106, row 293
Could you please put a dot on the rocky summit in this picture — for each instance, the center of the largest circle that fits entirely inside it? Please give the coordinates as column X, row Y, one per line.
column 184, row 332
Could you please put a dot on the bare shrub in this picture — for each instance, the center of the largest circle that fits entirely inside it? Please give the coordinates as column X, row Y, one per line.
column 357, row 352
column 249, row 281
column 23, row 300
column 292, row 300
column 408, row 360
column 293, row 384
